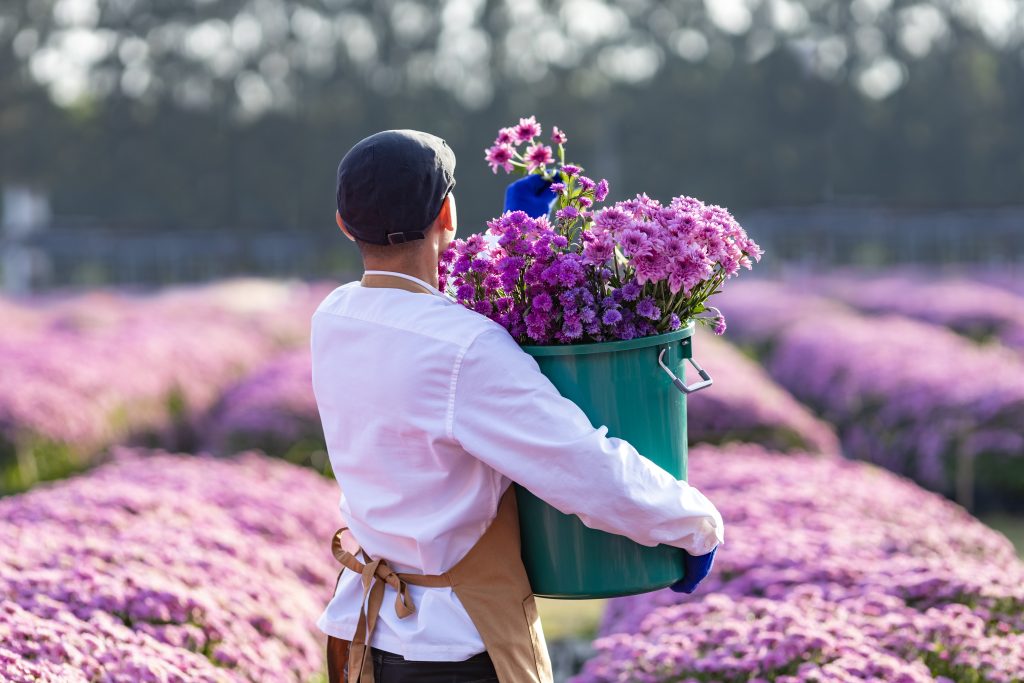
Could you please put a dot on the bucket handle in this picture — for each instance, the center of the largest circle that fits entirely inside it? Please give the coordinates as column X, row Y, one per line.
column 680, row 385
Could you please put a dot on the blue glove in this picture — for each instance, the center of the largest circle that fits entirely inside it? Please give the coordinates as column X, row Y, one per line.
column 696, row 569
column 531, row 194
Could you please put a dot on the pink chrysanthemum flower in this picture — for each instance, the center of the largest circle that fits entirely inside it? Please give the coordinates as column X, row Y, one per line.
column 500, row 155
column 537, row 156
column 558, row 136
column 506, row 136
column 527, row 130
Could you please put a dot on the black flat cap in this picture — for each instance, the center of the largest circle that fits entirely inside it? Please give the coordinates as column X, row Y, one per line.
column 391, row 185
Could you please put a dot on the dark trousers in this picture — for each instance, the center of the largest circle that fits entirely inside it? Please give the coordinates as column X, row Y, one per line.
column 392, row 668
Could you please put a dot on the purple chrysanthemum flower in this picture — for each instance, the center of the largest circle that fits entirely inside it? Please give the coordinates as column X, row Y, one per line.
column 585, row 202
column 558, row 136
column 466, row 291
column 527, row 129
column 542, row 301
column 611, row 316
column 558, row 188
column 573, row 329
column 601, row 191
column 648, row 309
column 567, row 214
column 586, row 183
column 537, row 156
column 673, row 322
column 500, row 155
column 571, row 169
column 720, row 325
column 630, row 291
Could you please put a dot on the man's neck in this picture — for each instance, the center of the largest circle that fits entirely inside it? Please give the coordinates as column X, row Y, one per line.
column 423, row 271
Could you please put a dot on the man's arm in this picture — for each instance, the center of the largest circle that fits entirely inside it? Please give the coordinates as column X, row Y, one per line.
column 510, row 416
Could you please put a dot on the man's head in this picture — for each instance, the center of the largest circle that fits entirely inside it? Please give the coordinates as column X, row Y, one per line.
column 394, row 196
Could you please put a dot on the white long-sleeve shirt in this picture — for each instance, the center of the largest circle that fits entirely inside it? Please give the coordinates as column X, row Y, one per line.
column 430, row 410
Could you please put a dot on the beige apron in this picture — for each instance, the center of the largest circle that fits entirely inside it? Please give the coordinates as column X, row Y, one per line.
column 490, row 582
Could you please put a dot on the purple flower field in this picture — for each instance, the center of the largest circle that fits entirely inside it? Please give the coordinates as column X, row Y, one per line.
column 171, row 568
column 159, row 566
column 831, row 571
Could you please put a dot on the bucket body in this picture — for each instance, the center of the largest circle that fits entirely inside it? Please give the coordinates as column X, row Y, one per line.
column 618, row 384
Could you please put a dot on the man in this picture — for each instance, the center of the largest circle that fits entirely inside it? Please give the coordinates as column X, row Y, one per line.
column 430, row 412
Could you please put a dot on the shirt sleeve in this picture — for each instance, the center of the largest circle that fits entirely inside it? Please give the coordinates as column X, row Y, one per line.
column 508, row 414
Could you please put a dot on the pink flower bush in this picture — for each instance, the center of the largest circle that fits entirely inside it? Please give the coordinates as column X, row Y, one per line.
column 272, row 409
column 914, row 397
column 633, row 269
column 159, row 567
column 831, row 571
column 974, row 309
column 101, row 367
column 745, row 404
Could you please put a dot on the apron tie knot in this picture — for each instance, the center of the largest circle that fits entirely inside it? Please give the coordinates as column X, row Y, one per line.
column 375, row 575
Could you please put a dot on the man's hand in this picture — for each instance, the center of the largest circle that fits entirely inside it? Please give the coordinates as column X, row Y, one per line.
column 531, row 194
column 696, row 568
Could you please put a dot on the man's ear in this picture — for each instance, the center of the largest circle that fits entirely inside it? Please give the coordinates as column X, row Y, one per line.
column 446, row 218
column 341, row 224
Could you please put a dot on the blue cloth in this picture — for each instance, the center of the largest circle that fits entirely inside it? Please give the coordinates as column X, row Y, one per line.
column 696, row 568
column 531, row 194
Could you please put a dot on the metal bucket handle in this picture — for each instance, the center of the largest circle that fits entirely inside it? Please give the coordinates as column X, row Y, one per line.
column 683, row 387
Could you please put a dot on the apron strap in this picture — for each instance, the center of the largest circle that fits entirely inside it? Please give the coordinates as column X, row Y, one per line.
column 375, row 575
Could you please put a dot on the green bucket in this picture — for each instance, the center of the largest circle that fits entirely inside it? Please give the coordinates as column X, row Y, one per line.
column 622, row 385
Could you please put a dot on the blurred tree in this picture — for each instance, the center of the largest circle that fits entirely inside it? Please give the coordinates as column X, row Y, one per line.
column 234, row 113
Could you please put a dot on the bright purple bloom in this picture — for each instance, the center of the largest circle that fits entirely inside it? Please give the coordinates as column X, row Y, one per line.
column 630, row 291
column 647, row 308
column 542, row 301
column 601, row 191
column 570, row 169
column 611, row 316
column 568, row 213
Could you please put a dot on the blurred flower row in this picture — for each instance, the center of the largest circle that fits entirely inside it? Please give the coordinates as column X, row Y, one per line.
column 913, row 396
column 84, row 372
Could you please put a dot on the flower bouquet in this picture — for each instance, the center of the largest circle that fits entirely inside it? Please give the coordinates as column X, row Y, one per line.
column 606, row 300
column 633, row 269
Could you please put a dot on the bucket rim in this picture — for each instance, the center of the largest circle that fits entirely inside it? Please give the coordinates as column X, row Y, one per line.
column 610, row 346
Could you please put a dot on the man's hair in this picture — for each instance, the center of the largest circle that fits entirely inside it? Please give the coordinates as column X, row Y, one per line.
column 388, row 250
